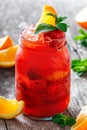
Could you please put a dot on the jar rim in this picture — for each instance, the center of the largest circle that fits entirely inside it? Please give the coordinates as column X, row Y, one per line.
column 48, row 41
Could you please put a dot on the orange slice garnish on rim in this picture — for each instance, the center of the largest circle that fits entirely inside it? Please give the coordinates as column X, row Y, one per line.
column 7, row 57
column 5, row 42
column 47, row 19
column 81, row 18
column 10, row 108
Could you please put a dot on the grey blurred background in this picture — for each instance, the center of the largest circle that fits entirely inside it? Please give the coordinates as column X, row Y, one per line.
column 16, row 14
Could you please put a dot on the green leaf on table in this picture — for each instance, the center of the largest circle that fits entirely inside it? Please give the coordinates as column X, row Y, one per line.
column 84, row 42
column 70, row 121
column 81, row 38
column 63, row 120
column 81, row 31
column 80, row 66
column 60, row 119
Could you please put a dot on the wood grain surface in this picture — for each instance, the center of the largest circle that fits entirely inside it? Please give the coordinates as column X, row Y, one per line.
column 14, row 16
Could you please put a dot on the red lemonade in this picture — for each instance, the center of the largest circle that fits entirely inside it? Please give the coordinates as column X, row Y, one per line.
column 42, row 72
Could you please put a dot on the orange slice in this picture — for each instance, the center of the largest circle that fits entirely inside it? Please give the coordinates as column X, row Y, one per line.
column 7, row 57
column 81, row 121
column 81, row 18
column 5, row 42
column 47, row 18
column 10, row 108
column 57, row 75
column 81, row 126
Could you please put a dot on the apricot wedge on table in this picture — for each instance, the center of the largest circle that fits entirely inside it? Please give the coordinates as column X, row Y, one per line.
column 5, row 42
column 81, row 121
column 7, row 57
column 81, row 18
column 10, row 108
column 47, row 19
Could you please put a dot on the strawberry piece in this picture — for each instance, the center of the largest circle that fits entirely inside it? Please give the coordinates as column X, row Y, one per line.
column 56, row 34
column 55, row 38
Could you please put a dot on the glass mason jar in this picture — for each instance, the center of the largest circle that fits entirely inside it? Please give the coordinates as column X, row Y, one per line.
column 42, row 74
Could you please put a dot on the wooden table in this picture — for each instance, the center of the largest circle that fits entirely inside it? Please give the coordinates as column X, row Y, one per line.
column 14, row 16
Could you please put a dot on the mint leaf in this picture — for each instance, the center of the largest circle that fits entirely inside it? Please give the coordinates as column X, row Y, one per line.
column 80, row 66
column 59, row 24
column 60, row 119
column 44, row 28
column 60, row 19
column 81, row 31
column 81, row 38
column 63, row 120
column 85, row 62
column 70, row 121
column 62, row 26
column 84, row 42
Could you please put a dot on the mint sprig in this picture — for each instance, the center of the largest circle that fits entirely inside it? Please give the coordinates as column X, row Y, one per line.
column 63, row 120
column 80, row 66
column 44, row 28
column 81, row 38
column 60, row 25
column 59, row 22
